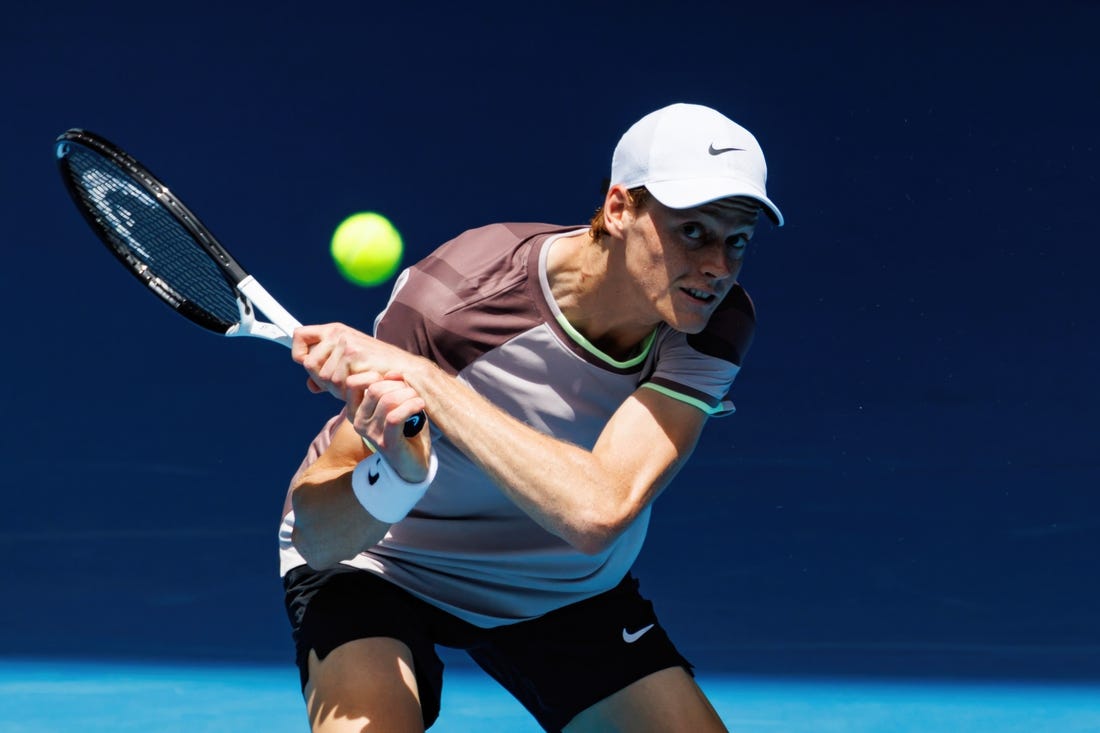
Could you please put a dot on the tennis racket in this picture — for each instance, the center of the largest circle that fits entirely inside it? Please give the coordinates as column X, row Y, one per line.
column 166, row 247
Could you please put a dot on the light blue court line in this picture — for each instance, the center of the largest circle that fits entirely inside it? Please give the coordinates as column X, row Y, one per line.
column 849, row 706
column 56, row 697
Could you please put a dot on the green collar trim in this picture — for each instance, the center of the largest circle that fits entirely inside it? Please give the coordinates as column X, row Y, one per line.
column 588, row 346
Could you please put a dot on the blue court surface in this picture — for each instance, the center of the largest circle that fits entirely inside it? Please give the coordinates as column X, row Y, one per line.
column 54, row 697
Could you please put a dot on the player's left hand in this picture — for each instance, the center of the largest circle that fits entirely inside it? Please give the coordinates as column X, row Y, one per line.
column 378, row 408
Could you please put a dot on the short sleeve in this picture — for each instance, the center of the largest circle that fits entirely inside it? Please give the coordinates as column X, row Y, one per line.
column 699, row 369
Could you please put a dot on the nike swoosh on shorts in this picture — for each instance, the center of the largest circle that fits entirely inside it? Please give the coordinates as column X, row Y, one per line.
column 632, row 636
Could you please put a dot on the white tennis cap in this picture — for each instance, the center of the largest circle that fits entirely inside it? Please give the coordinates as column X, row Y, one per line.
column 688, row 155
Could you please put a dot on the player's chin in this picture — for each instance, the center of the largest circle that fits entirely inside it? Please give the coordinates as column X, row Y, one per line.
column 692, row 314
column 689, row 323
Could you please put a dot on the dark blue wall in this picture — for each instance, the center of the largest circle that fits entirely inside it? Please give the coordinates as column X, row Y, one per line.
column 910, row 483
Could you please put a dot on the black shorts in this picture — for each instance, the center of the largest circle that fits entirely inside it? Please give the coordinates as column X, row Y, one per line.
column 556, row 665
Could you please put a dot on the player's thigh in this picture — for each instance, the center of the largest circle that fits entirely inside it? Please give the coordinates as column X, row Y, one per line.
column 366, row 685
column 668, row 701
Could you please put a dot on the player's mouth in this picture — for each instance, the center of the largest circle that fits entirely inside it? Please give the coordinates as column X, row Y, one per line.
column 702, row 297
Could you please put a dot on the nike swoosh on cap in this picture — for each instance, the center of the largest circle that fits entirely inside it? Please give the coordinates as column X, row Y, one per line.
column 718, row 151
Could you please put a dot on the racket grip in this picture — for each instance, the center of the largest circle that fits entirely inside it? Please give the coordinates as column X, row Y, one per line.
column 415, row 424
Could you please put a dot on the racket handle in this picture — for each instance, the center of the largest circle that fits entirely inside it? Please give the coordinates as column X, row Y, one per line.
column 415, row 424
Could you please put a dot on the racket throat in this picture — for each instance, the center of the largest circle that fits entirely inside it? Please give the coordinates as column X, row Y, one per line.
column 251, row 297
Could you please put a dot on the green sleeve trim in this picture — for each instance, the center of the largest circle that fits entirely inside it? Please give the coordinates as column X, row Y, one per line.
column 684, row 398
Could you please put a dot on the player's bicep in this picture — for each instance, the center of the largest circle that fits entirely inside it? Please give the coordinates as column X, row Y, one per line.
column 647, row 440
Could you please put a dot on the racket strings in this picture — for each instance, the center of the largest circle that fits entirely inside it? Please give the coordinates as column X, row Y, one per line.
column 146, row 234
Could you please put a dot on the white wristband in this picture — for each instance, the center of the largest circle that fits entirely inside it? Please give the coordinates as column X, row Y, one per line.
column 383, row 493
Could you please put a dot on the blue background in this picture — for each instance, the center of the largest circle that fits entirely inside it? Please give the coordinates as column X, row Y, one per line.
column 909, row 487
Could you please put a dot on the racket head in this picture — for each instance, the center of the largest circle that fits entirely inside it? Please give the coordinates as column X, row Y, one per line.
column 150, row 231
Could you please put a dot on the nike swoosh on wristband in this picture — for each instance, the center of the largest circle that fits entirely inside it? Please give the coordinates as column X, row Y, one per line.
column 632, row 636
column 372, row 476
column 718, row 151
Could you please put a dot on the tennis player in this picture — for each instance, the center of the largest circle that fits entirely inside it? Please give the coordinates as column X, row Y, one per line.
column 567, row 372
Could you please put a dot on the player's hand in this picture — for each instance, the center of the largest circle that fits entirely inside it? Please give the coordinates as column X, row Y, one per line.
column 333, row 352
column 378, row 407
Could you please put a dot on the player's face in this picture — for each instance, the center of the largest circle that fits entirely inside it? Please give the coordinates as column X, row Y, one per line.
column 686, row 260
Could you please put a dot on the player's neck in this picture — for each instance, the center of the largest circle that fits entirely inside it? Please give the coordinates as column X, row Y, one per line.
column 593, row 297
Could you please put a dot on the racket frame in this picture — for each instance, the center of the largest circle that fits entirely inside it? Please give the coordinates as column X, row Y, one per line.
column 250, row 294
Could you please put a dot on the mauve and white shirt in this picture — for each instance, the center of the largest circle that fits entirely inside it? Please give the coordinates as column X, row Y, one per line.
column 481, row 308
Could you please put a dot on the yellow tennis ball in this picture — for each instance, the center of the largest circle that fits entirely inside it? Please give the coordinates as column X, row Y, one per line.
column 366, row 248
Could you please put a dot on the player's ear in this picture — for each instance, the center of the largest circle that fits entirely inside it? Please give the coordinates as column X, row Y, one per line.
column 617, row 209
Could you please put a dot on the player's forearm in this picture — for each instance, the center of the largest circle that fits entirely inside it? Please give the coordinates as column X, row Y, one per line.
column 330, row 525
column 566, row 489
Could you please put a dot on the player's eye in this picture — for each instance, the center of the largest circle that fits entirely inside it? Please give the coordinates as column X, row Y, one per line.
column 693, row 231
column 736, row 245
